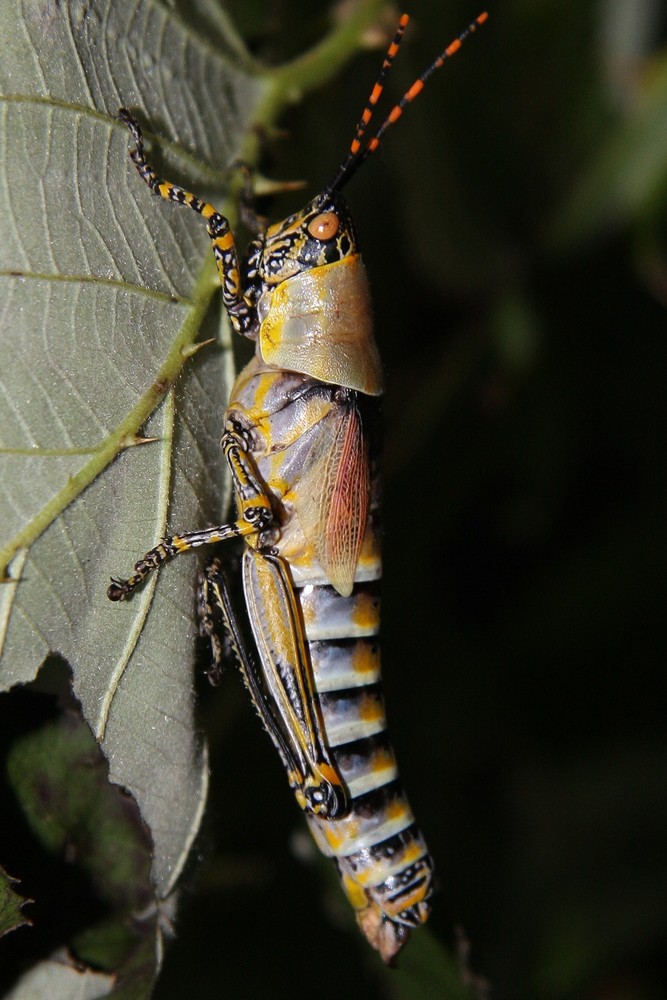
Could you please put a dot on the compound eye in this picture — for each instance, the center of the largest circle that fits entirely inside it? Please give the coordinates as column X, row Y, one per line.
column 324, row 226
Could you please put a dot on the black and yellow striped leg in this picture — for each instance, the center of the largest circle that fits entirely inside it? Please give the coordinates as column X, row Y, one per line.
column 255, row 515
column 250, row 493
column 217, row 621
column 241, row 314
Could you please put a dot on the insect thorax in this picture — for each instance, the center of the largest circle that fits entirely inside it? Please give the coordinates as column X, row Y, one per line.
column 309, row 289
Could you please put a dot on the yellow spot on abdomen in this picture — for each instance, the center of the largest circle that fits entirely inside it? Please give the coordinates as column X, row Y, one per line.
column 412, row 899
column 370, row 549
column 383, row 760
column 371, row 709
column 366, row 612
column 366, row 657
column 354, row 893
column 397, row 810
column 340, row 833
column 412, row 853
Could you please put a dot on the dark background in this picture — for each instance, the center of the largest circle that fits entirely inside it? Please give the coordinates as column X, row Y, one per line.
column 513, row 225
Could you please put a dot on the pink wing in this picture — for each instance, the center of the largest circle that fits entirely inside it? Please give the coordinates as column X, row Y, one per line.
column 333, row 494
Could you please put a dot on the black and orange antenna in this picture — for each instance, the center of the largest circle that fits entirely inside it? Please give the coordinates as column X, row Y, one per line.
column 357, row 155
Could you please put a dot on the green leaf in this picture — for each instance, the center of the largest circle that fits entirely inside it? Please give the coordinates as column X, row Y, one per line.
column 101, row 291
column 100, row 859
column 427, row 970
column 11, row 905
column 627, row 175
column 60, row 780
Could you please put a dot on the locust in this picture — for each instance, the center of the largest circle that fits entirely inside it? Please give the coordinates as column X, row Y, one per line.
column 301, row 443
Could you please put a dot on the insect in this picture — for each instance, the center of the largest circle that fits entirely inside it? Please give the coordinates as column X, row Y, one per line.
column 301, row 444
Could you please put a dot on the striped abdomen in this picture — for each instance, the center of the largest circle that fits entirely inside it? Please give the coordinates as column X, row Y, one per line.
column 380, row 854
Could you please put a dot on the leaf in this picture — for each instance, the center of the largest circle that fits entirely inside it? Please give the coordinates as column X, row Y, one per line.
column 101, row 288
column 11, row 905
column 97, row 847
column 60, row 780
column 427, row 970
column 627, row 174
column 60, row 980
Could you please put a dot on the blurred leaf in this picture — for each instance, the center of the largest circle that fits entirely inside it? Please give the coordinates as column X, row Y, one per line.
column 61, row 980
column 427, row 970
column 60, row 781
column 627, row 175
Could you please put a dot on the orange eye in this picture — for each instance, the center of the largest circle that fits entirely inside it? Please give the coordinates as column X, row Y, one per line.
column 324, row 226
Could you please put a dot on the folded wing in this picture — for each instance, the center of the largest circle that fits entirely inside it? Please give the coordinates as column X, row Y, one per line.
column 333, row 495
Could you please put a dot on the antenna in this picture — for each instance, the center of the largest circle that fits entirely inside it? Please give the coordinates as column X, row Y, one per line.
column 357, row 155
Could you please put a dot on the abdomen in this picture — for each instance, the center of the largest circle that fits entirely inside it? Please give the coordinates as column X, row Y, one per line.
column 380, row 854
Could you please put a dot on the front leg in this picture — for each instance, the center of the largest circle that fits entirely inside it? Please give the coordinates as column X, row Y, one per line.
column 255, row 515
column 241, row 313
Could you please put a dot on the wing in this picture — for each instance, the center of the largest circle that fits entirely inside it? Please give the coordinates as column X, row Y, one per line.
column 332, row 495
